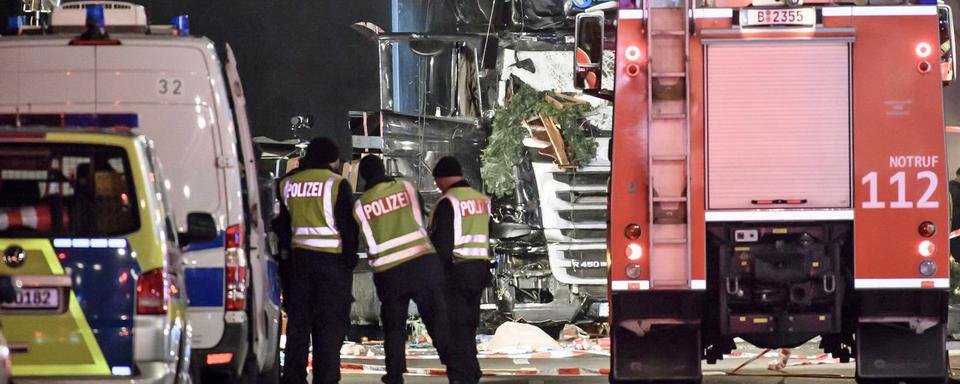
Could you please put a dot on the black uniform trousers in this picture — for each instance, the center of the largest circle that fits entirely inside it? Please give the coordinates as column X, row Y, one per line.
column 319, row 299
column 465, row 283
column 419, row 280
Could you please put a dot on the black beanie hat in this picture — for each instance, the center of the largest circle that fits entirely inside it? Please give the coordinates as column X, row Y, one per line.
column 321, row 150
column 446, row 167
column 371, row 167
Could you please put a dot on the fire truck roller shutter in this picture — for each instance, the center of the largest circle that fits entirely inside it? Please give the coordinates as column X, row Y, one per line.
column 778, row 124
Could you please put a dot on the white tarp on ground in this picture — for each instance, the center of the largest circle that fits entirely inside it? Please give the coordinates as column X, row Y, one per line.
column 515, row 337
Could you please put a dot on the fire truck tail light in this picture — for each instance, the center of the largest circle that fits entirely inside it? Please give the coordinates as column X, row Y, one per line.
column 928, row 268
column 632, row 232
column 633, row 53
column 928, row 229
column 634, row 271
column 926, row 248
column 634, row 251
column 923, row 50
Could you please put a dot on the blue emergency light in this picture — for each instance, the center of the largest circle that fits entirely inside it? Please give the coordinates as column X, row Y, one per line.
column 182, row 24
column 14, row 23
column 95, row 15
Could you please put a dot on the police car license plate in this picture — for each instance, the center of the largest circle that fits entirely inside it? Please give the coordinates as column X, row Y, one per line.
column 791, row 17
column 35, row 298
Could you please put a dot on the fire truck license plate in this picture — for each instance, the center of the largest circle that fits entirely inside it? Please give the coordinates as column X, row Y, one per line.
column 35, row 298
column 793, row 17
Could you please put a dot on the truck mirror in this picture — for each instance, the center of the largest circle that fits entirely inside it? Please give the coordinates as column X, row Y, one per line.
column 948, row 53
column 588, row 58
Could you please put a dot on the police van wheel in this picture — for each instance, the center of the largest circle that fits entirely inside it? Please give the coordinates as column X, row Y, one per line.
column 271, row 374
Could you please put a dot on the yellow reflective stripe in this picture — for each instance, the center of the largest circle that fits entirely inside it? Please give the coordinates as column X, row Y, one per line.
column 319, row 243
column 472, row 252
column 316, row 231
column 97, row 367
column 399, row 255
column 457, row 216
column 472, row 239
column 398, row 241
column 328, row 202
column 415, row 201
column 365, row 225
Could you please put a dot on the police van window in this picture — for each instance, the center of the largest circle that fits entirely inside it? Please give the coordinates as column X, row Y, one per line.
column 66, row 190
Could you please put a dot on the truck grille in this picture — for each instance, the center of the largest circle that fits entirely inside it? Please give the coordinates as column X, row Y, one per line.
column 587, row 263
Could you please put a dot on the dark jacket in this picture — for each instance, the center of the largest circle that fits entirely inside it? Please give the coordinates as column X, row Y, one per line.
column 342, row 218
column 955, row 196
column 412, row 276
column 471, row 275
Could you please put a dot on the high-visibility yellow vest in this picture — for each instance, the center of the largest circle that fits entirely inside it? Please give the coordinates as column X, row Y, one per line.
column 310, row 195
column 471, row 223
column 392, row 224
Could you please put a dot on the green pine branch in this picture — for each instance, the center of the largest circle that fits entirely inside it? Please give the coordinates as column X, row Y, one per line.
column 505, row 149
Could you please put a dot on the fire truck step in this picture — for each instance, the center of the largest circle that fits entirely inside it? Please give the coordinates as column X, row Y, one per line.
column 670, row 33
column 669, row 241
column 669, row 199
column 670, row 158
column 669, row 74
column 670, row 116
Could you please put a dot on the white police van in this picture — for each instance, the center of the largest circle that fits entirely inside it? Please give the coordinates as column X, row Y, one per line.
column 193, row 107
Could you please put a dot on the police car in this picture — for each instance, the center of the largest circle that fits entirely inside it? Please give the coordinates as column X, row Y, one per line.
column 85, row 231
column 192, row 106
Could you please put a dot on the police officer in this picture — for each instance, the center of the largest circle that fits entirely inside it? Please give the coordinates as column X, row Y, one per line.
column 405, row 265
column 459, row 228
column 280, row 226
column 323, row 237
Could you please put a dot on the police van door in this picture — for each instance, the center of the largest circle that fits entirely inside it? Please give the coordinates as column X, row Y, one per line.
column 263, row 266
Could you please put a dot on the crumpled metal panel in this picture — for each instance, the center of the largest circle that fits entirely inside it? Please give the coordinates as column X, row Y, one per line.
column 538, row 15
column 412, row 145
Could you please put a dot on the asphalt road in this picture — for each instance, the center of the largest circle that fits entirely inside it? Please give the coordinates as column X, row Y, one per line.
column 754, row 373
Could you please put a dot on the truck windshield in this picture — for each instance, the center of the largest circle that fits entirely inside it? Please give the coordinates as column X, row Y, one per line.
column 65, row 190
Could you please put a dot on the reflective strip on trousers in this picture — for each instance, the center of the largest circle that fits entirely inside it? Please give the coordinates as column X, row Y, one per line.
column 399, row 255
column 472, row 252
column 317, row 231
column 318, row 243
column 472, row 239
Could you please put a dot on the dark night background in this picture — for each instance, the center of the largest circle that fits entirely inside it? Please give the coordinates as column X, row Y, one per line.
column 294, row 57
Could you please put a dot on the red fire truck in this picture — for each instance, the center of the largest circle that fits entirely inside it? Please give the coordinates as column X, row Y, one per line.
column 779, row 175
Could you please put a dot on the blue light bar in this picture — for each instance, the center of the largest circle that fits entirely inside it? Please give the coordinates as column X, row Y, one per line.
column 95, row 15
column 103, row 120
column 182, row 24
column 82, row 120
column 14, row 23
